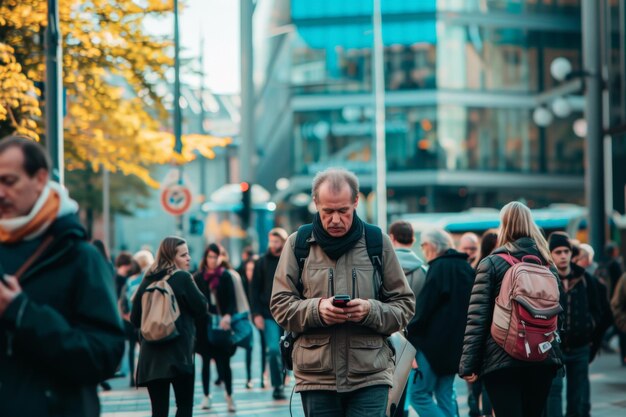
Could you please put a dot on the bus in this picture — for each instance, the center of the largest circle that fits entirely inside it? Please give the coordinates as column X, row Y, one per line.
column 557, row 217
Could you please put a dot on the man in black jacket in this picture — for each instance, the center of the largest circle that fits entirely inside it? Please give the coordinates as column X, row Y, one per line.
column 438, row 327
column 261, row 292
column 60, row 333
column 579, row 319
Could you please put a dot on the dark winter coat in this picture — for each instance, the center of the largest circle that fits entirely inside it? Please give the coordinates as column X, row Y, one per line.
column 441, row 311
column 175, row 357
column 62, row 335
column 581, row 311
column 481, row 354
column 225, row 293
column 262, row 282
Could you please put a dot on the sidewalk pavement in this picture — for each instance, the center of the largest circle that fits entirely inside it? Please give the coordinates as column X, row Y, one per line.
column 608, row 394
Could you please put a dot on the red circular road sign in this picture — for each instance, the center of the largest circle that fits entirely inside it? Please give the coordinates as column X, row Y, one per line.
column 176, row 199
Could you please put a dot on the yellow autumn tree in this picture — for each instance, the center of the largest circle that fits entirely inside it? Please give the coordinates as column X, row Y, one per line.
column 111, row 67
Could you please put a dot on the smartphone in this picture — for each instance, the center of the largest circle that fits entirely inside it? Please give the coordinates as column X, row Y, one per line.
column 340, row 300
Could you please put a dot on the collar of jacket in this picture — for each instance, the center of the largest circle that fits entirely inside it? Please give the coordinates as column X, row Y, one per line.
column 575, row 272
column 450, row 254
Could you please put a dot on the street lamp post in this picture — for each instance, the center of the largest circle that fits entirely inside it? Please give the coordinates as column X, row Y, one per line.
column 594, row 157
column 53, row 90
column 379, row 105
column 178, row 117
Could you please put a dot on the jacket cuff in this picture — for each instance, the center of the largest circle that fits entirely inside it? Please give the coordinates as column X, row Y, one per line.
column 315, row 313
column 371, row 316
column 14, row 311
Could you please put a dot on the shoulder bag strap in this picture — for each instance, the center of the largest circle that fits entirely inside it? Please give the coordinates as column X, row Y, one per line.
column 31, row 260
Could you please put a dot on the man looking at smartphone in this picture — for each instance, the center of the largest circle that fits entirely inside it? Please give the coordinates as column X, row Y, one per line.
column 60, row 332
column 342, row 363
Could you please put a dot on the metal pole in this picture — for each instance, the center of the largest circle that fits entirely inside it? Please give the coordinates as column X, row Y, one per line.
column 247, row 144
column 202, row 116
column 178, row 144
column 379, row 103
column 106, row 206
column 594, row 158
column 53, row 91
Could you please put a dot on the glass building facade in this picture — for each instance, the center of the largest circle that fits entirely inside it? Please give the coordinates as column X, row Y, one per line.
column 462, row 79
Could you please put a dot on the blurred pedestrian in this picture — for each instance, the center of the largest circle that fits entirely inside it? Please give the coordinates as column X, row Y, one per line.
column 478, row 398
column 261, row 292
column 124, row 305
column 582, row 314
column 60, row 332
column 171, row 362
column 123, row 263
column 437, row 329
column 516, row 388
column 402, row 239
column 216, row 283
column 468, row 244
column 248, row 268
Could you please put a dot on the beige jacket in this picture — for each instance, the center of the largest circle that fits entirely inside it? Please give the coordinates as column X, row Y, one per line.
column 343, row 357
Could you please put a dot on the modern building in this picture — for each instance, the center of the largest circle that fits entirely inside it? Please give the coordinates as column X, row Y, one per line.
column 462, row 81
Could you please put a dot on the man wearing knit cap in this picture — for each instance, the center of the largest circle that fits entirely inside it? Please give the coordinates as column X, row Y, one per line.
column 580, row 315
column 261, row 292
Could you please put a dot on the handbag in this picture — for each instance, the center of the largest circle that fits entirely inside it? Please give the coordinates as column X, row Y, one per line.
column 404, row 353
column 216, row 335
column 241, row 330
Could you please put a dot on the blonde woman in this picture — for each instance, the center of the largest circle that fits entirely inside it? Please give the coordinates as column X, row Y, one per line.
column 171, row 363
column 516, row 388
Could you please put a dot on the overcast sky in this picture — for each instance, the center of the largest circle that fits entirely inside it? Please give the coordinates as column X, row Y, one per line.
column 218, row 21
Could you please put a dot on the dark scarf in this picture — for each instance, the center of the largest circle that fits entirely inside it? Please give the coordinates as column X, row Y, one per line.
column 336, row 247
column 213, row 278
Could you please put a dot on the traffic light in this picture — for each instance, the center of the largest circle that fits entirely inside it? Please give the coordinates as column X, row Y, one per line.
column 246, row 204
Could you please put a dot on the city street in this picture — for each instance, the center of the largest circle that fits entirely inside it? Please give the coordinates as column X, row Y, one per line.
column 608, row 385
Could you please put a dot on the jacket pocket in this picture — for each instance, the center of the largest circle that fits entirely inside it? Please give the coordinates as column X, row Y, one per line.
column 313, row 353
column 369, row 355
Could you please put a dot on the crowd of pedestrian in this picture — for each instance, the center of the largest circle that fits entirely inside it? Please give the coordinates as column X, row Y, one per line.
column 338, row 286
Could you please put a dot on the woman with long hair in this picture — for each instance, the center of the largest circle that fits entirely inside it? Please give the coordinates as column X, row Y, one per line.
column 170, row 362
column 516, row 388
column 216, row 283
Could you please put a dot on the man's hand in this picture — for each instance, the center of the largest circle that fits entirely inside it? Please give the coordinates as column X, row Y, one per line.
column 259, row 322
column 471, row 378
column 9, row 289
column 331, row 314
column 357, row 310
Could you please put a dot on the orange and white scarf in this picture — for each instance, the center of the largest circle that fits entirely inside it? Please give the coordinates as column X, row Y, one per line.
column 53, row 202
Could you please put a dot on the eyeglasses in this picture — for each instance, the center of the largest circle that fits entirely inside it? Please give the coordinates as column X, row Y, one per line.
column 212, row 257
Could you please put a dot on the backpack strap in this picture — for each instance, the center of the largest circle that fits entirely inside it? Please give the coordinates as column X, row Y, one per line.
column 374, row 244
column 301, row 251
column 510, row 259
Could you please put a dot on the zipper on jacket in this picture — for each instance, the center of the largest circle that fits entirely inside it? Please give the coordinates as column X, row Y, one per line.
column 353, row 283
column 331, row 282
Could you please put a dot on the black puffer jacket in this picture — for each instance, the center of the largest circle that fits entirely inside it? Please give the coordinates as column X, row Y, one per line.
column 481, row 354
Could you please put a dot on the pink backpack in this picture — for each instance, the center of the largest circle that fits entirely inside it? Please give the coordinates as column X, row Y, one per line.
column 526, row 310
